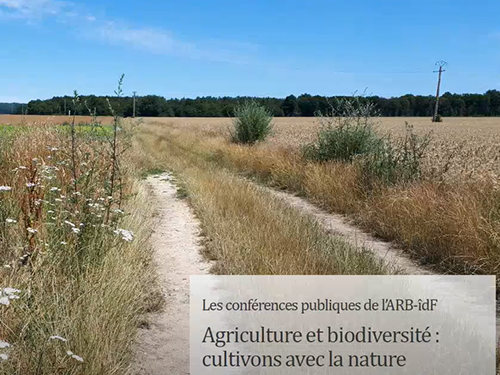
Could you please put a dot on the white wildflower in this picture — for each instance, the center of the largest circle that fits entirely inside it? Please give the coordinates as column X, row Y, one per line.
column 63, row 243
column 58, row 200
column 53, row 149
column 118, row 211
column 5, row 188
column 22, row 167
column 31, row 230
column 4, row 301
column 75, row 230
column 9, row 291
column 73, row 355
column 10, row 221
column 8, row 266
column 55, row 337
column 54, row 189
column 50, row 212
column 125, row 234
column 4, row 344
column 30, row 184
column 69, row 223
column 4, row 357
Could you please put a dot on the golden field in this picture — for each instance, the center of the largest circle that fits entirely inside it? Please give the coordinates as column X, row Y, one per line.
column 468, row 146
column 449, row 219
column 55, row 120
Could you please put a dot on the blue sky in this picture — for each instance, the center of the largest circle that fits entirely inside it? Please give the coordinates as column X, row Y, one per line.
column 195, row 48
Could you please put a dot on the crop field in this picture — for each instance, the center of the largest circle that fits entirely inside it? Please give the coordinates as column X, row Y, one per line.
column 34, row 120
column 467, row 147
column 448, row 218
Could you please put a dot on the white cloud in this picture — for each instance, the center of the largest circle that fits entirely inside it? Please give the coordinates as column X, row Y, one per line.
column 29, row 9
column 165, row 43
column 146, row 39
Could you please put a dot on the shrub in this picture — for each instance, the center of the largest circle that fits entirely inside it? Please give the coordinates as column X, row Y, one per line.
column 346, row 132
column 395, row 161
column 439, row 118
column 252, row 123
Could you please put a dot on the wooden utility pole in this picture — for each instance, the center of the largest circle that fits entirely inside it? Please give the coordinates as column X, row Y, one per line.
column 133, row 107
column 441, row 64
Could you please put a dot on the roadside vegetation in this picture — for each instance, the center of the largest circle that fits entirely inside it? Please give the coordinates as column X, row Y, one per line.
column 248, row 231
column 76, row 270
column 383, row 184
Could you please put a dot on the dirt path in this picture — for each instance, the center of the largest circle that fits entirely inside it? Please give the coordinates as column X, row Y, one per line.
column 337, row 224
column 396, row 259
column 163, row 347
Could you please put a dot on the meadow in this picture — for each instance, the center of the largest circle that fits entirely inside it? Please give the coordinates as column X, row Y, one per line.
column 76, row 271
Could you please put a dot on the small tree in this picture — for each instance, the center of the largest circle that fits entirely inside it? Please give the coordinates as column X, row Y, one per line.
column 252, row 123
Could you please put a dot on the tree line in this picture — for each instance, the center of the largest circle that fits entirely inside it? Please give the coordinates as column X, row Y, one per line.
column 10, row 108
column 487, row 104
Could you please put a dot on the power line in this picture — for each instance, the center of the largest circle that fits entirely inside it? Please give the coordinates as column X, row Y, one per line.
column 441, row 64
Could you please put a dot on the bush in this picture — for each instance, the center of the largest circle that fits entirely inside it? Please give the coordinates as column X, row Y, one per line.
column 252, row 123
column 397, row 161
column 347, row 132
column 439, row 118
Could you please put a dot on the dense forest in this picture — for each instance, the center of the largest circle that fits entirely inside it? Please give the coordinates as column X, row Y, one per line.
column 487, row 104
column 10, row 108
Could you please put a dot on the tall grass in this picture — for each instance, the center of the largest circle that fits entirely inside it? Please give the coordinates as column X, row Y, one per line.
column 75, row 250
column 249, row 231
column 452, row 226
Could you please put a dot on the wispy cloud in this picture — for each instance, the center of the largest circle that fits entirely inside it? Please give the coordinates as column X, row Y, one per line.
column 151, row 40
column 145, row 39
column 32, row 9
column 164, row 42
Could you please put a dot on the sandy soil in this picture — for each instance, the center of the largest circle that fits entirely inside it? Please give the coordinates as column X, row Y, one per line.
column 163, row 347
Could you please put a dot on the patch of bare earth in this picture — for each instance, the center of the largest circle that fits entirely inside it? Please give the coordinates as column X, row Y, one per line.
column 163, row 346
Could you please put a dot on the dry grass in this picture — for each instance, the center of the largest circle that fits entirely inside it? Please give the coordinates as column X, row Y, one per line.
column 471, row 146
column 450, row 220
column 248, row 231
column 34, row 120
column 77, row 278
